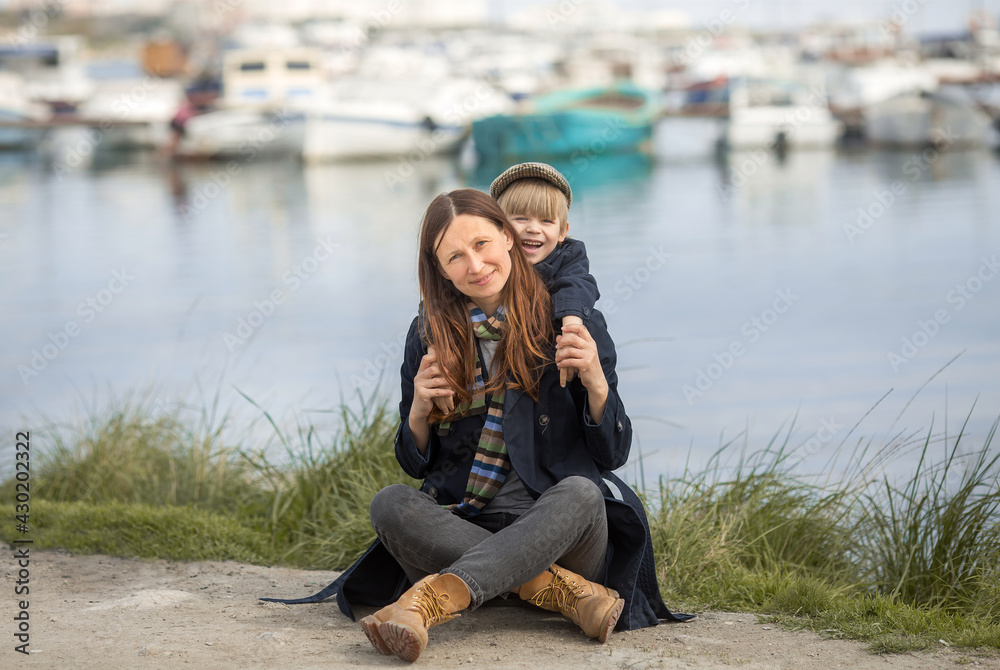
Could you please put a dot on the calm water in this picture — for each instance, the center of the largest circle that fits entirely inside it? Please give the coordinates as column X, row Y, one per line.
column 739, row 295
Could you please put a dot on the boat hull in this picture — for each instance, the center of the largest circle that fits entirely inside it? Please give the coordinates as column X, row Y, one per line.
column 243, row 133
column 770, row 126
column 574, row 123
column 916, row 121
column 340, row 136
column 570, row 133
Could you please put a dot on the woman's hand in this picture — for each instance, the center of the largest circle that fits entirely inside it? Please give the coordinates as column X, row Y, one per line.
column 430, row 386
column 575, row 348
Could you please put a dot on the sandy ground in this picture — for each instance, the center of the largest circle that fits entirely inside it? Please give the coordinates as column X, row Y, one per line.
column 106, row 612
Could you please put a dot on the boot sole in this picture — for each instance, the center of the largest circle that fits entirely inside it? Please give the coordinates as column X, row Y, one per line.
column 370, row 625
column 611, row 620
column 401, row 641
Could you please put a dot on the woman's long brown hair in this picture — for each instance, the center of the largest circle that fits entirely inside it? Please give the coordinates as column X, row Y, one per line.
column 526, row 345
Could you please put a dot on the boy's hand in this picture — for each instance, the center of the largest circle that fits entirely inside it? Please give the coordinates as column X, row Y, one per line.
column 577, row 348
column 568, row 373
column 446, row 405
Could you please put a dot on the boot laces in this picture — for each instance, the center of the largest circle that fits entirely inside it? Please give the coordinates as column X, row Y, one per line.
column 561, row 593
column 429, row 604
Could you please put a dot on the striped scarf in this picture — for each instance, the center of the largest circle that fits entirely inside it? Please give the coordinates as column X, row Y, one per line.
column 491, row 464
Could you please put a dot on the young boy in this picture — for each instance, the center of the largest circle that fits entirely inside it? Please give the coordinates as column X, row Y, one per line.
column 536, row 198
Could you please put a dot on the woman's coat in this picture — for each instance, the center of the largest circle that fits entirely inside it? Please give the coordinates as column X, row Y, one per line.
column 547, row 441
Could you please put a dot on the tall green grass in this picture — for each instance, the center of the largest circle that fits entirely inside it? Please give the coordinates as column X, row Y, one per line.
column 901, row 564
column 719, row 530
column 935, row 538
column 309, row 502
column 129, row 453
column 899, row 561
column 319, row 493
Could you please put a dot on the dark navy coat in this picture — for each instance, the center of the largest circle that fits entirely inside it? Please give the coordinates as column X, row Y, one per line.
column 547, row 441
column 566, row 272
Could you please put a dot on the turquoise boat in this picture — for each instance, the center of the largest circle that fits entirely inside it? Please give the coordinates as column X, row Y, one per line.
column 574, row 123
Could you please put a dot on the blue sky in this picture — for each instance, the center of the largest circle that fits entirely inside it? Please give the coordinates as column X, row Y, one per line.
column 932, row 16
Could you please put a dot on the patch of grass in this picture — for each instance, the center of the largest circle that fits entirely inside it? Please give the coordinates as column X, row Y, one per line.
column 130, row 454
column 890, row 625
column 935, row 539
column 319, row 498
column 121, row 529
column 899, row 566
column 733, row 537
column 312, row 509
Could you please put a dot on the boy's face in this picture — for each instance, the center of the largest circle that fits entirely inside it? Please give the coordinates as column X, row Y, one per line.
column 538, row 236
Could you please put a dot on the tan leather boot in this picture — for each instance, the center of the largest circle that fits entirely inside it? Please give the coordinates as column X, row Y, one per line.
column 401, row 628
column 591, row 606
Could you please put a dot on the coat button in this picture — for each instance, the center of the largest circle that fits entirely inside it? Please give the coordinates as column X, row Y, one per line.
column 433, row 492
column 543, row 420
column 619, row 426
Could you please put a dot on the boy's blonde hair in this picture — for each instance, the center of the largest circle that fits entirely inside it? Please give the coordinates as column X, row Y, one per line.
column 536, row 197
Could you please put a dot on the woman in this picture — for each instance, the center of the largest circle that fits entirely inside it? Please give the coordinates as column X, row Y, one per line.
column 517, row 495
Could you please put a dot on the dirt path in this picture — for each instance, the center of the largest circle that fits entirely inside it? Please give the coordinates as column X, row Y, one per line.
column 105, row 612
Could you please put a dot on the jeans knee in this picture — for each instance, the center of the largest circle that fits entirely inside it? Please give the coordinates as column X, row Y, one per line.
column 585, row 492
column 386, row 505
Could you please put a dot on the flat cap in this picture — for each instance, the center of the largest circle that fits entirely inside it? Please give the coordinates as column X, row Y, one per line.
column 531, row 171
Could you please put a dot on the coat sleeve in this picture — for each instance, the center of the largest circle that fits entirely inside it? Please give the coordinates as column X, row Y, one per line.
column 573, row 288
column 410, row 459
column 610, row 440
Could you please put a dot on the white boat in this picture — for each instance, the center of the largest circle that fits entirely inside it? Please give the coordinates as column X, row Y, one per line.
column 262, row 110
column 366, row 118
column 947, row 117
column 859, row 87
column 272, row 78
column 778, row 113
column 52, row 71
column 16, row 109
column 138, row 111
column 244, row 134
column 361, row 129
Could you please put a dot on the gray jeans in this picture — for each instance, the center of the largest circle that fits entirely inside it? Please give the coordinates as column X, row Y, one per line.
column 566, row 525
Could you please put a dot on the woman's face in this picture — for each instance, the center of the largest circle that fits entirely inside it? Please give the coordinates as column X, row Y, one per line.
column 474, row 255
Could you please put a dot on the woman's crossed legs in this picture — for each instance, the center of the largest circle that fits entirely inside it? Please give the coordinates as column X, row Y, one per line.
column 566, row 525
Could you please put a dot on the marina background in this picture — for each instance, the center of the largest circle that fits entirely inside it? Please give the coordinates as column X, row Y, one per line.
column 839, row 272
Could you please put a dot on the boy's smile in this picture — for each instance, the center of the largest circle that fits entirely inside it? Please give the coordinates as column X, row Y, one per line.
column 538, row 237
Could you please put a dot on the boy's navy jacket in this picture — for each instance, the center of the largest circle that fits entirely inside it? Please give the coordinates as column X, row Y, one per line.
column 547, row 441
column 566, row 272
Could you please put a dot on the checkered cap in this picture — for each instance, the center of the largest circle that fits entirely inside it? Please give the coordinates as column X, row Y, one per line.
column 531, row 170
